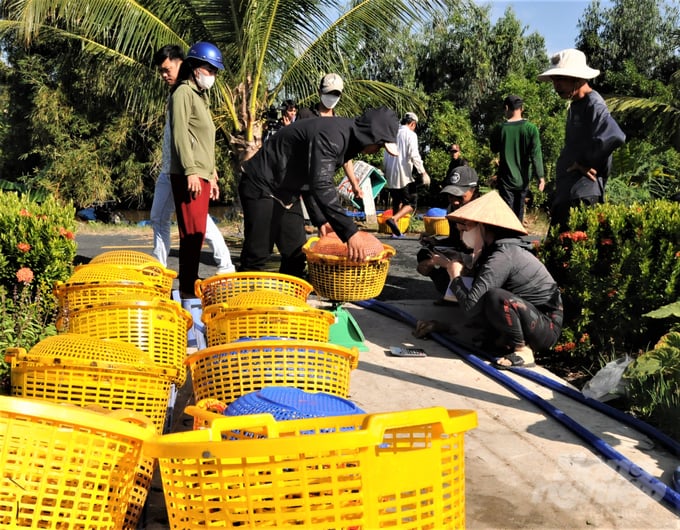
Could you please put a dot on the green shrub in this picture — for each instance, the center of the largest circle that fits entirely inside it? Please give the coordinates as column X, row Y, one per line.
column 653, row 384
column 37, row 248
column 38, row 236
column 614, row 265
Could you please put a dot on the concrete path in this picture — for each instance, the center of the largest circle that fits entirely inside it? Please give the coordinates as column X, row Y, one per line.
column 523, row 468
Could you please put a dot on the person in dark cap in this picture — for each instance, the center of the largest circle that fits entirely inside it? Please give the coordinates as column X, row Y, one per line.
column 302, row 159
column 591, row 136
column 460, row 187
column 519, row 146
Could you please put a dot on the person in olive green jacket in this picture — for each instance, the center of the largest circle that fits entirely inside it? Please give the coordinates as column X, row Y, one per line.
column 192, row 158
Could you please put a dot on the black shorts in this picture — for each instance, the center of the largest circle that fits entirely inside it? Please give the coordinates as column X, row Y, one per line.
column 403, row 196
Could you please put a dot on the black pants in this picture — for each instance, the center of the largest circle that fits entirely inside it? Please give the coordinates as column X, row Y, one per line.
column 559, row 213
column 267, row 223
column 521, row 322
column 514, row 198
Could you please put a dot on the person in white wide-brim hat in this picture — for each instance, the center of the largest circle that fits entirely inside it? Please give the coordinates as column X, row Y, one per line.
column 591, row 136
column 512, row 293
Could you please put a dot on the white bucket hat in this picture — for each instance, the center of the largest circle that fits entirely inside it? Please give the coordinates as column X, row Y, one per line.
column 569, row 63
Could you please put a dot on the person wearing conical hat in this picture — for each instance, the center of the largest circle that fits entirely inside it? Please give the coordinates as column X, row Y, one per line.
column 512, row 291
column 591, row 136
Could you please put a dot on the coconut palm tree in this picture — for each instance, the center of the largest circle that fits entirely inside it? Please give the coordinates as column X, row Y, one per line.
column 271, row 48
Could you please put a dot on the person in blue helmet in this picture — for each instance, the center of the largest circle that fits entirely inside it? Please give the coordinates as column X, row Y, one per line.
column 192, row 156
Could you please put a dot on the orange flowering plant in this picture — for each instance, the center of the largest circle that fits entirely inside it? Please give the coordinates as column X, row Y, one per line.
column 613, row 265
column 37, row 248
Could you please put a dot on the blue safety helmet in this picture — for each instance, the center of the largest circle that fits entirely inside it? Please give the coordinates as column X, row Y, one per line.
column 206, row 52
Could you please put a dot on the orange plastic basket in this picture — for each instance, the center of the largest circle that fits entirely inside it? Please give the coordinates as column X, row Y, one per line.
column 219, row 289
column 159, row 328
column 402, row 224
column 66, row 467
column 124, row 257
column 340, row 280
column 224, row 324
column 153, row 273
column 84, row 370
column 436, row 226
column 228, row 371
column 401, row 470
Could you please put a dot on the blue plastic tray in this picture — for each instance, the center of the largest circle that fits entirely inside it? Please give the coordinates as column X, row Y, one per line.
column 288, row 403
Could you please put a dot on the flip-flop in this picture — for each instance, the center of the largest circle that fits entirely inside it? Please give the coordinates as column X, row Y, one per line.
column 515, row 360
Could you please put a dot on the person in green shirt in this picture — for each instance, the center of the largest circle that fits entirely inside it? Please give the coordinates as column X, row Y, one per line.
column 519, row 146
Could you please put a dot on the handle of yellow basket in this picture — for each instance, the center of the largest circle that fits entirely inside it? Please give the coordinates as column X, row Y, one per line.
column 198, row 288
column 58, row 288
column 128, row 416
column 448, row 420
column 11, row 353
column 218, row 423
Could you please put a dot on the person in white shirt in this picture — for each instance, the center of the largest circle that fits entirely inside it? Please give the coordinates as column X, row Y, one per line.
column 399, row 173
column 168, row 60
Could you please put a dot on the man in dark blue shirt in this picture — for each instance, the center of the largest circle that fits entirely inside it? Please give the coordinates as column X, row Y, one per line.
column 591, row 136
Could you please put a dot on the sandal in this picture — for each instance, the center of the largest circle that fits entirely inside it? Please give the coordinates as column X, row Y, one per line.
column 425, row 327
column 514, row 360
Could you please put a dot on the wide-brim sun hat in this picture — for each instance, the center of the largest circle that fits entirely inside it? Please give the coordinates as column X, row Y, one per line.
column 489, row 209
column 569, row 63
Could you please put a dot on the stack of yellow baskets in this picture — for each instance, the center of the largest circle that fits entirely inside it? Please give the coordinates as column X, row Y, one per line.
column 121, row 346
column 261, row 331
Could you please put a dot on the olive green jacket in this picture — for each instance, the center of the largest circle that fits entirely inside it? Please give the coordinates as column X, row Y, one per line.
column 193, row 132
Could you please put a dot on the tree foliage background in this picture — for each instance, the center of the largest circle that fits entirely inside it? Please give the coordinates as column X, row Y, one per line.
column 83, row 110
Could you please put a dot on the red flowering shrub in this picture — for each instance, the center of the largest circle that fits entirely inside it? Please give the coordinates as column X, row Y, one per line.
column 615, row 264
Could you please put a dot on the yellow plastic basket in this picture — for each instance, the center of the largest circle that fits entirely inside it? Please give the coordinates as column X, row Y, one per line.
column 401, row 470
column 436, row 226
column 340, row 280
column 263, row 297
column 71, row 296
column 224, row 324
column 228, row 371
column 124, row 257
column 153, row 274
column 66, row 467
column 84, row 371
column 402, row 224
column 159, row 328
column 219, row 289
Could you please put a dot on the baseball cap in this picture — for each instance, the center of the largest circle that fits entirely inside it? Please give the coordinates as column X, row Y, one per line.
column 460, row 180
column 513, row 102
column 331, row 83
column 411, row 116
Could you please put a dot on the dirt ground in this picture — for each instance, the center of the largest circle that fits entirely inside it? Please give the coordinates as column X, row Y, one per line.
column 523, row 468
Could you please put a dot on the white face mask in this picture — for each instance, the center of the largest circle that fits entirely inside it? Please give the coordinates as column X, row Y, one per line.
column 473, row 239
column 329, row 100
column 203, row 81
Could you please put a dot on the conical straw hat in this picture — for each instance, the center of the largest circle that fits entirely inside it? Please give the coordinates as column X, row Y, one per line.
column 489, row 209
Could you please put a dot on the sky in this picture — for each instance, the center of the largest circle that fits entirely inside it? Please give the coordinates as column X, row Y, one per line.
column 556, row 20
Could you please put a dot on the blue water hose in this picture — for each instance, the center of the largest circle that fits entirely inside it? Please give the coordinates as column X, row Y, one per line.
column 638, row 476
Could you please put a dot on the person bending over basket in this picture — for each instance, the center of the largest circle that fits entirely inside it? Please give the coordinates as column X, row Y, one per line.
column 301, row 160
column 512, row 290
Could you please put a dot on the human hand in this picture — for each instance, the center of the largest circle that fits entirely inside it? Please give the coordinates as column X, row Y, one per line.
column 455, row 269
column 325, row 229
column 356, row 251
column 541, row 184
column 358, row 192
column 214, row 190
column 426, row 180
column 589, row 172
column 194, row 185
